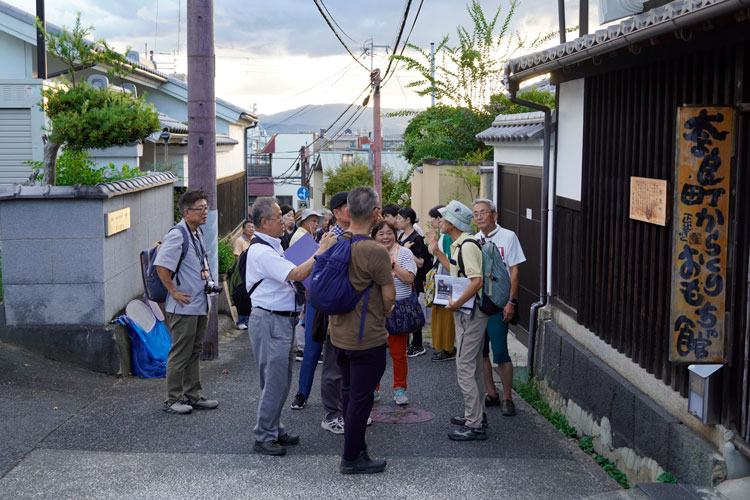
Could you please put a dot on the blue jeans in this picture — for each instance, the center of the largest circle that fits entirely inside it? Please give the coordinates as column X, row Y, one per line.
column 311, row 355
column 242, row 320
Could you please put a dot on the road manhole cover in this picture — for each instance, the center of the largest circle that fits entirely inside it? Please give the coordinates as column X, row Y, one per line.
column 400, row 415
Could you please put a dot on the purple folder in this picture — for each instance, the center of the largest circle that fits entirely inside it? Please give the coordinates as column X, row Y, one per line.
column 302, row 250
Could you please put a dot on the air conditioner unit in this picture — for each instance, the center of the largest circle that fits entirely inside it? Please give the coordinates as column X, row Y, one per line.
column 609, row 10
column 98, row 81
column 130, row 87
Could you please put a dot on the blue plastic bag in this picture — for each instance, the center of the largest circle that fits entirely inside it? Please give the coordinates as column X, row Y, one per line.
column 149, row 349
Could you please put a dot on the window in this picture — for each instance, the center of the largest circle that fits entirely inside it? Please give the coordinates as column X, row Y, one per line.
column 284, row 200
column 347, row 158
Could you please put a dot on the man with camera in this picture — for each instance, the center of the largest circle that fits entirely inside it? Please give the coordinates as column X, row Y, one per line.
column 186, row 305
column 276, row 307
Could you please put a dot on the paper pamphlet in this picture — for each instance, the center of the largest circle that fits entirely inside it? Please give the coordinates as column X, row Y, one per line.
column 302, row 250
column 450, row 287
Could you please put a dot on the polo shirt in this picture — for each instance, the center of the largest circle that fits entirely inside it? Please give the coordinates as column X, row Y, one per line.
column 471, row 255
column 189, row 275
column 275, row 293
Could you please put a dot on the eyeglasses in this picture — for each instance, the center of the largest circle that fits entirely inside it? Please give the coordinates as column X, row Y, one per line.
column 483, row 213
column 202, row 209
column 275, row 220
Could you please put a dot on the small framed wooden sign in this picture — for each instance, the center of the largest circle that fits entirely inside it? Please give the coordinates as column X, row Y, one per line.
column 648, row 200
column 117, row 221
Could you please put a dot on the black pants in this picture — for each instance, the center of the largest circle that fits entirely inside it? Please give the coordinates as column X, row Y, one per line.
column 361, row 372
column 416, row 338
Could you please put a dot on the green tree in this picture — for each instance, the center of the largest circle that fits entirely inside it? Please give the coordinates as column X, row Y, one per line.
column 357, row 173
column 81, row 116
column 469, row 73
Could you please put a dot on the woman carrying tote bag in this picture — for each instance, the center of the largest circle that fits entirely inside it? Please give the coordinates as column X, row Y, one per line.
column 407, row 315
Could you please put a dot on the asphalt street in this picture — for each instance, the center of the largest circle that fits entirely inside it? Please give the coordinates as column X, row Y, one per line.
column 71, row 434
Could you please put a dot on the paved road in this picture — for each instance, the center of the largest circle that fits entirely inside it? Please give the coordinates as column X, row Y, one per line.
column 68, row 433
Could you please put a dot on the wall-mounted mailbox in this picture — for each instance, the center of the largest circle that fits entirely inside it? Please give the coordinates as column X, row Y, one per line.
column 704, row 400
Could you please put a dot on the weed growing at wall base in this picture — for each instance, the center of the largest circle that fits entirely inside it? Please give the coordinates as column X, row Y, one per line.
column 529, row 391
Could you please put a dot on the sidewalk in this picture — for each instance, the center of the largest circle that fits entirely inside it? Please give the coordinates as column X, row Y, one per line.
column 68, row 433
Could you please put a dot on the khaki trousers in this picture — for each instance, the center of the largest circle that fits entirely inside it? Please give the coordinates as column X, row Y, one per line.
column 469, row 342
column 183, row 361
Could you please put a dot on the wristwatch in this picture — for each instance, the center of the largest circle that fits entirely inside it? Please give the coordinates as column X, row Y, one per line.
column 513, row 301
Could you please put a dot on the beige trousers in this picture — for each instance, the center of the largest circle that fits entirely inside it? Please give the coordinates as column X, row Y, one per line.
column 469, row 343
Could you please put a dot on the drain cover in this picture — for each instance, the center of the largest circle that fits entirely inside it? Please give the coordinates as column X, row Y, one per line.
column 400, row 415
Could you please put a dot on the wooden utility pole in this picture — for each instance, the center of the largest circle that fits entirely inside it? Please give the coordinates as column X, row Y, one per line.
column 41, row 46
column 377, row 174
column 202, row 139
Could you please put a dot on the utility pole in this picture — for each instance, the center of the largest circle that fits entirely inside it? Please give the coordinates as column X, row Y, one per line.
column 372, row 51
column 583, row 18
column 41, row 47
column 202, row 140
column 303, row 165
column 432, row 70
column 377, row 178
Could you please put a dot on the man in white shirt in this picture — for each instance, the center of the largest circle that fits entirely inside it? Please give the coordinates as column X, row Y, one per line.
column 274, row 315
column 496, row 334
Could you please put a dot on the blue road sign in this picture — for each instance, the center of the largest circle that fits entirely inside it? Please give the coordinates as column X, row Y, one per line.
column 302, row 193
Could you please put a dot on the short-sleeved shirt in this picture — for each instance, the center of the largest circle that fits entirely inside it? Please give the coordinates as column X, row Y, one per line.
column 240, row 245
column 189, row 275
column 275, row 293
column 370, row 262
column 405, row 260
column 471, row 255
column 507, row 243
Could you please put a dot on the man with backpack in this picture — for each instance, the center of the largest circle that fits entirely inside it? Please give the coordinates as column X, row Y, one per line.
column 358, row 330
column 185, row 276
column 466, row 261
column 276, row 306
column 485, row 216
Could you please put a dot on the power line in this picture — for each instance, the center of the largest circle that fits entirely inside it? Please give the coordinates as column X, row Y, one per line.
column 398, row 37
column 317, row 4
column 406, row 42
column 337, row 24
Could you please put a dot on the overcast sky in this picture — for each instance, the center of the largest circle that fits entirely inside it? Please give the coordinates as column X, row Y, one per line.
column 280, row 54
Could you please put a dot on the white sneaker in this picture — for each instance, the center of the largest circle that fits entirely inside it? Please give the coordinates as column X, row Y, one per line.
column 369, row 420
column 335, row 425
column 242, row 326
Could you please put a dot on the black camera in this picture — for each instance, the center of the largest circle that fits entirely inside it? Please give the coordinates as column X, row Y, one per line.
column 212, row 288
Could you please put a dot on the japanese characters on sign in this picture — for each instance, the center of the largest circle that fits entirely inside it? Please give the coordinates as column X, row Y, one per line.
column 701, row 226
column 648, row 200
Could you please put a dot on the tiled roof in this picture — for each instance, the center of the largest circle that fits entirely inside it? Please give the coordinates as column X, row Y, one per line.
column 655, row 22
column 172, row 125
column 100, row 191
column 514, row 128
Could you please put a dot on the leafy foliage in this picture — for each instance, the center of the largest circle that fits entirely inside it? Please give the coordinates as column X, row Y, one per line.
column 469, row 73
column 76, row 167
column 500, row 104
column 86, row 117
column 226, row 256
column 347, row 177
column 666, row 477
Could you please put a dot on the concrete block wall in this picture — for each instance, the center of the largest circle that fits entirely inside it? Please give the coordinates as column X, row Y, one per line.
column 59, row 268
column 628, row 427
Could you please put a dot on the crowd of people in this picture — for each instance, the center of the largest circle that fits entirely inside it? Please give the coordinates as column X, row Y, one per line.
column 391, row 256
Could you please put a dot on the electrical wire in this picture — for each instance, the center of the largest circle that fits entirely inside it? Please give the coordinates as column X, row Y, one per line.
column 403, row 47
column 337, row 24
column 317, row 4
column 398, row 37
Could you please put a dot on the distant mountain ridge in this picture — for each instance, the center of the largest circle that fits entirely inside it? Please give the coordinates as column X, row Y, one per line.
column 314, row 117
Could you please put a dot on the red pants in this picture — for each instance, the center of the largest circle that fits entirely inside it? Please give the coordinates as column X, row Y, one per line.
column 397, row 346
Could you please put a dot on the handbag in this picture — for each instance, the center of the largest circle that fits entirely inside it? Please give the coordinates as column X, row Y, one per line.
column 407, row 315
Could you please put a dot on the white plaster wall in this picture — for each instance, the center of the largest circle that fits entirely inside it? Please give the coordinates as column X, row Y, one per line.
column 570, row 147
column 16, row 58
column 530, row 154
column 287, row 147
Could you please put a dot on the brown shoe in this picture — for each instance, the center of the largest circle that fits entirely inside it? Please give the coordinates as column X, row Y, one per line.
column 492, row 400
column 508, row 408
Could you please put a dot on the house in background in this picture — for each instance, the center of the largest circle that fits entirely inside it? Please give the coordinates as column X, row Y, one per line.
column 22, row 119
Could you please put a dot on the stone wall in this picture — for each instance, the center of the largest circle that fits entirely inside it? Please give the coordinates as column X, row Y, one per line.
column 626, row 425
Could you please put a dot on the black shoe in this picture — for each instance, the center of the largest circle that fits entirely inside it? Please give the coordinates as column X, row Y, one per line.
column 201, row 404
column 299, row 401
column 468, row 434
column 492, row 401
column 269, row 448
column 462, row 421
column 413, row 352
column 288, row 439
column 362, row 465
column 444, row 355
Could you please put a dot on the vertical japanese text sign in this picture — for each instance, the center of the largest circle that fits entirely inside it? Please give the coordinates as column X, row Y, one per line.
column 701, row 225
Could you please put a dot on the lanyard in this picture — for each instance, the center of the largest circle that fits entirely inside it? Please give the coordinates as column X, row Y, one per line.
column 200, row 251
